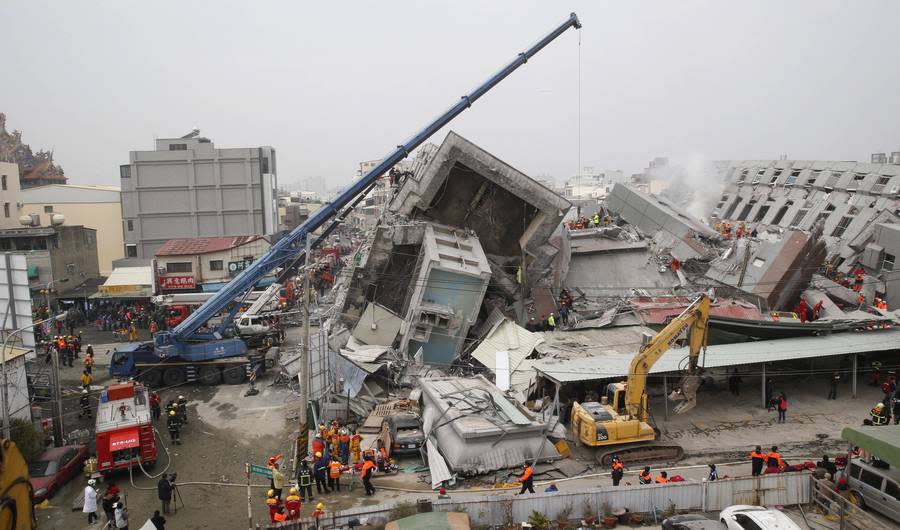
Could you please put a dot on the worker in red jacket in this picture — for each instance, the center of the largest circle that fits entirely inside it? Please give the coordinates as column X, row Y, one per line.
column 292, row 505
column 273, row 504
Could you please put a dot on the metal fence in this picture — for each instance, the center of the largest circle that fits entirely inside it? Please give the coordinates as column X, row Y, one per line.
column 767, row 490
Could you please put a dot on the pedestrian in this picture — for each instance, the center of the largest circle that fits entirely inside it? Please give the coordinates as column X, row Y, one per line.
column 334, row 475
column 564, row 315
column 292, row 505
column 304, row 481
column 663, row 478
column 833, row 385
column 782, row 408
column 155, row 401
column 181, row 409
column 86, row 379
column 527, row 479
column 644, row 477
column 110, row 499
column 132, row 333
column 159, row 522
column 618, row 470
column 368, row 468
column 734, row 383
column 770, row 386
column 164, row 492
column 757, row 460
column 713, row 474
column 320, row 473
column 121, row 516
column 277, row 481
column 90, row 502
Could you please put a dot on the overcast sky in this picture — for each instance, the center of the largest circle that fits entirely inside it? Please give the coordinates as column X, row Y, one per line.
column 330, row 84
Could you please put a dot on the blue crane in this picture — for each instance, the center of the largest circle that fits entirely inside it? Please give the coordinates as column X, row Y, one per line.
column 193, row 340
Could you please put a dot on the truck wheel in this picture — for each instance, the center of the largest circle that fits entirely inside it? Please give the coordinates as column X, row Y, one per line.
column 173, row 376
column 210, row 375
column 151, row 378
column 233, row 375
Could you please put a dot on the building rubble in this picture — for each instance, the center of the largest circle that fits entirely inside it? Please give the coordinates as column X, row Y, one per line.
column 446, row 299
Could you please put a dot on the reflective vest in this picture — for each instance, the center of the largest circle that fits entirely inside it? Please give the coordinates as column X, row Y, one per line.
column 367, row 468
column 617, row 466
column 304, row 477
column 551, row 320
column 773, row 459
column 334, row 469
column 661, row 479
column 529, row 471
column 645, row 478
column 354, row 442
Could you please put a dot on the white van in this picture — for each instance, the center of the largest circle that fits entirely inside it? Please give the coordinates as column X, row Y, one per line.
column 875, row 488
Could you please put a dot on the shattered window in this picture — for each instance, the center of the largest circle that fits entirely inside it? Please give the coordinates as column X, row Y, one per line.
column 799, row 217
column 783, row 210
column 814, row 176
column 859, row 177
column 792, row 178
column 882, row 182
column 888, row 264
column 842, row 226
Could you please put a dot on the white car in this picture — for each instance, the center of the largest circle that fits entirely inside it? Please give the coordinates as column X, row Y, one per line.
column 743, row 517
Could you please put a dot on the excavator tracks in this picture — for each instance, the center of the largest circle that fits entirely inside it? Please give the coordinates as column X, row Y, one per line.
column 642, row 453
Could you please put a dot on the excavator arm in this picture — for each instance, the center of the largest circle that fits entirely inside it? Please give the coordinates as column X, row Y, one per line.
column 694, row 319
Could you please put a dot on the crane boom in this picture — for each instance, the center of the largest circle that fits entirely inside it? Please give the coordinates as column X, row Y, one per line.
column 178, row 341
column 695, row 317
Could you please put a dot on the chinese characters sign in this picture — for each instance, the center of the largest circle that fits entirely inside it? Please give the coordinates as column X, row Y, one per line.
column 177, row 282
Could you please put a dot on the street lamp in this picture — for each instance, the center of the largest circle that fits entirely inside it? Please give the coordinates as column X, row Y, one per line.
column 47, row 291
column 5, row 391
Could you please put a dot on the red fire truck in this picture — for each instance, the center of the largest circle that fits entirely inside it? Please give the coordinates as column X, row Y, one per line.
column 124, row 428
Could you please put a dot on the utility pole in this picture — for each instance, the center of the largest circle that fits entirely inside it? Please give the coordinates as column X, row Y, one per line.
column 303, row 436
column 58, row 431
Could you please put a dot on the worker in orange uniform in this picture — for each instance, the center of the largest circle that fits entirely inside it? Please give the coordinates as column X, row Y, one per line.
column 273, row 504
column 355, row 442
column 774, row 463
column 644, row 477
column 368, row 468
column 618, row 470
column 319, row 513
column 344, row 446
column 663, row 478
column 527, row 479
column 334, row 436
column 757, row 460
column 334, row 475
column 292, row 505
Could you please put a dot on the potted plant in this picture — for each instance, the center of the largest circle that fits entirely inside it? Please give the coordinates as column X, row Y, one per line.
column 588, row 517
column 609, row 520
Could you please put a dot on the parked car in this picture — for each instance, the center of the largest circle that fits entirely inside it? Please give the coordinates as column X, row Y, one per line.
column 742, row 517
column 407, row 436
column 875, row 488
column 54, row 468
column 690, row 521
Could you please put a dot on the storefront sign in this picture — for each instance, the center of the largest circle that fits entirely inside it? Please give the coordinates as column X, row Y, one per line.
column 237, row 267
column 177, row 282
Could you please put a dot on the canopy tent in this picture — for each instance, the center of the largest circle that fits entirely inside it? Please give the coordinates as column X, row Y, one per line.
column 882, row 441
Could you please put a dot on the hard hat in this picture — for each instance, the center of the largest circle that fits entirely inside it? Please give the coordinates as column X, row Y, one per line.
column 92, row 482
column 318, row 435
column 318, row 454
column 171, row 413
column 293, row 491
column 180, row 397
column 320, row 506
column 879, row 406
column 84, row 391
column 270, row 493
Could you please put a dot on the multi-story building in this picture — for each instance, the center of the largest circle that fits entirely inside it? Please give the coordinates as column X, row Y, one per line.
column 64, row 256
column 205, row 264
column 188, row 188
column 97, row 207
column 591, row 184
column 10, row 195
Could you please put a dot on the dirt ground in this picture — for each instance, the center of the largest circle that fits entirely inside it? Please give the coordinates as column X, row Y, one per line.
column 227, row 430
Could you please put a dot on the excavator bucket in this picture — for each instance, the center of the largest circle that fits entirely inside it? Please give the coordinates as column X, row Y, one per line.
column 687, row 391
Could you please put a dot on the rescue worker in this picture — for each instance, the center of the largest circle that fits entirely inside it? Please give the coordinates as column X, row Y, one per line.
column 833, row 385
column 334, row 475
column 304, row 481
column 713, row 474
column 85, row 402
column 879, row 414
column 277, row 481
column 527, row 479
column 774, row 461
column 181, row 409
column 344, row 446
column 89, row 363
column 644, row 477
column 368, row 468
column 292, row 505
column 663, row 478
column 551, row 322
column 273, row 504
column 318, row 513
column 383, row 461
column 334, row 436
column 618, row 470
column 174, row 427
column 86, row 379
column 757, row 459
column 155, row 401
column 876, row 374
column 320, row 472
column 355, row 441
column 318, row 445
column 323, row 431
column 595, row 220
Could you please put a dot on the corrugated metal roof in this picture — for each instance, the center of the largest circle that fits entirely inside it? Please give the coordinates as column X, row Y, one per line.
column 437, row 465
column 464, row 394
column 129, row 276
column 203, row 245
column 510, row 337
column 615, row 364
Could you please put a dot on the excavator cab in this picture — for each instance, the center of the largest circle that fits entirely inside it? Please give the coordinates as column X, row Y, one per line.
column 615, row 398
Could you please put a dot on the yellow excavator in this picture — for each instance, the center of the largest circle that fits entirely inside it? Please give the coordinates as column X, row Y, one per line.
column 16, row 508
column 622, row 416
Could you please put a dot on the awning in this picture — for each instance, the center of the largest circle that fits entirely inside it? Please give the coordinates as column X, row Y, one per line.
column 124, row 439
column 882, row 441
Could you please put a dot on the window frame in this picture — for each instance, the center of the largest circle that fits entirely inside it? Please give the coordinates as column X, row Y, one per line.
column 180, row 267
column 217, row 265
